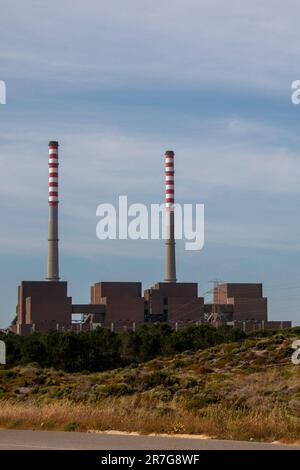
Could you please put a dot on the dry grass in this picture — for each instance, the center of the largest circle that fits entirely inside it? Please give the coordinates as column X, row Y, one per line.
column 215, row 421
column 243, row 391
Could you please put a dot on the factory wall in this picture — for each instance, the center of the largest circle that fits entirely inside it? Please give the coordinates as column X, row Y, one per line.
column 246, row 299
column 42, row 306
column 252, row 325
column 122, row 300
column 176, row 301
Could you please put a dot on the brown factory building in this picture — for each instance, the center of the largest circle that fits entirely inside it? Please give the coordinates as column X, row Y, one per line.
column 45, row 306
column 247, row 300
column 174, row 302
column 242, row 305
column 42, row 306
column 123, row 302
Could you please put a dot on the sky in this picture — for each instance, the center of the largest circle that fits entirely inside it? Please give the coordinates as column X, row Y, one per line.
column 119, row 82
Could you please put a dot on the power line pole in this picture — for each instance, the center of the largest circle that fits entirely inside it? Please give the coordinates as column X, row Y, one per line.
column 216, row 318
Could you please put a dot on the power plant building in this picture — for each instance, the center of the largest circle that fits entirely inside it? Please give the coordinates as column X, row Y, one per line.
column 45, row 305
column 174, row 302
column 42, row 306
column 122, row 301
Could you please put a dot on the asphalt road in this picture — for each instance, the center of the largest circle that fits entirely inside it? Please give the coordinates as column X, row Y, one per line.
column 48, row 440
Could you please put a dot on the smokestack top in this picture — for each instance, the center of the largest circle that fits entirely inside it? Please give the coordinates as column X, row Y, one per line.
column 169, row 152
column 53, row 143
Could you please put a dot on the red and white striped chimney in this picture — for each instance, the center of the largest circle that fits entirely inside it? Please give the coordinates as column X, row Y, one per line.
column 53, row 173
column 169, row 172
column 53, row 256
column 170, row 273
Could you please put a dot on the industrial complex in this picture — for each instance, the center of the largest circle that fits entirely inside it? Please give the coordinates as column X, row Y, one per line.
column 45, row 305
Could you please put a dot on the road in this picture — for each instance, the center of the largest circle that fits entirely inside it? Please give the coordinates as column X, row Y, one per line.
column 51, row 440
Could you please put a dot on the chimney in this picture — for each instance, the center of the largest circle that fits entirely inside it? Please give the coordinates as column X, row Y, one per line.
column 53, row 262
column 170, row 274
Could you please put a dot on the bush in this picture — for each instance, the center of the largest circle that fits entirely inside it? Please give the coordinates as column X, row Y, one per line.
column 73, row 426
column 102, row 349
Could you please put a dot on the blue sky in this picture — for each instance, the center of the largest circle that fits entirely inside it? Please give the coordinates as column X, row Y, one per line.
column 117, row 83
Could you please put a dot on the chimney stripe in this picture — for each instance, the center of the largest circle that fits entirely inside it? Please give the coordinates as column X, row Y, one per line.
column 53, row 173
column 169, row 179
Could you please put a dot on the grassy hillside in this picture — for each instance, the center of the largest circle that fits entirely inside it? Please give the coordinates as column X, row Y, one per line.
column 244, row 390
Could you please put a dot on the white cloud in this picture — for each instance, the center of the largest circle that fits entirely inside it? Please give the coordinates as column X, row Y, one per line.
column 252, row 234
column 237, row 167
column 147, row 44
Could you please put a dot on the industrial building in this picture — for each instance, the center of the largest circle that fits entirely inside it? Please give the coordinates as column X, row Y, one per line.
column 45, row 305
column 174, row 302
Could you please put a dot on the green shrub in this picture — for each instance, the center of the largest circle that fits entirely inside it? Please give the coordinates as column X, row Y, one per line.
column 116, row 389
column 101, row 350
column 73, row 426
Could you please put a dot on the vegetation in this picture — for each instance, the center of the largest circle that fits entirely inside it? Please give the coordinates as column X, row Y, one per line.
column 102, row 349
column 244, row 389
